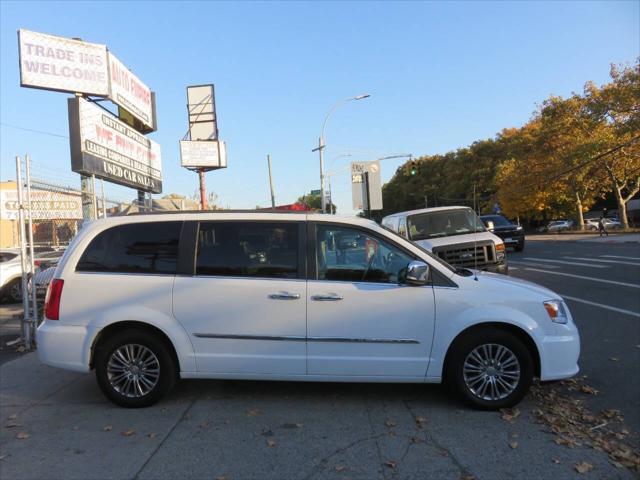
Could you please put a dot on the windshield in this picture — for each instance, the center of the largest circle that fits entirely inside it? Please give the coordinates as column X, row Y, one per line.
column 443, row 223
column 498, row 220
column 431, row 255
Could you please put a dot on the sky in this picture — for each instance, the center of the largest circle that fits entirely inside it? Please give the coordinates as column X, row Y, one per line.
column 441, row 75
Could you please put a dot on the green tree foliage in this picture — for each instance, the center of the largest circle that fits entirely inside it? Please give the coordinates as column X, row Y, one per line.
column 315, row 202
column 569, row 153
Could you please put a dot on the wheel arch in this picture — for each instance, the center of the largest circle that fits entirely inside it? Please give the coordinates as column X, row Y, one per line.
column 116, row 327
column 517, row 331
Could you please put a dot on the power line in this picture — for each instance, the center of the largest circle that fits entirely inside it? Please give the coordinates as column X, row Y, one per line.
column 42, row 132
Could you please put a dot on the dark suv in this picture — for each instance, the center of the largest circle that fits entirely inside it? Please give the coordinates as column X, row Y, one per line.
column 511, row 234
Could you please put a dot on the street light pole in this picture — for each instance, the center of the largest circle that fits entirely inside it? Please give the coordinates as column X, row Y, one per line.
column 321, row 144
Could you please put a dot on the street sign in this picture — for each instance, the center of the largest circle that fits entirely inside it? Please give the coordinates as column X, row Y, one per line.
column 358, row 193
column 201, row 104
column 315, row 192
column 209, row 154
column 103, row 146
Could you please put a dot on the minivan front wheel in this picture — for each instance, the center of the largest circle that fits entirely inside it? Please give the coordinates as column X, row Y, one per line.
column 491, row 369
column 134, row 369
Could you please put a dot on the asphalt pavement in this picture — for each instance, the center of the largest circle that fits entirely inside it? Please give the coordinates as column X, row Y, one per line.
column 56, row 424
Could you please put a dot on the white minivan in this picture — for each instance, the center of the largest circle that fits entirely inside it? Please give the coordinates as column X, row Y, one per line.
column 146, row 299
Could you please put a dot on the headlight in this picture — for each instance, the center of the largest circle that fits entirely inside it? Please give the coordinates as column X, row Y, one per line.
column 519, row 228
column 556, row 311
column 499, row 251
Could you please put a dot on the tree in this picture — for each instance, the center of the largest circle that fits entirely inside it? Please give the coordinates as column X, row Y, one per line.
column 315, row 202
column 212, row 199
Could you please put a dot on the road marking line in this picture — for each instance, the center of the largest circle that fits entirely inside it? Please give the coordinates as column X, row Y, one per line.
column 603, row 261
column 568, row 263
column 601, row 280
column 606, row 307
column 518, row 262
column 619, row 256
column 512, row 268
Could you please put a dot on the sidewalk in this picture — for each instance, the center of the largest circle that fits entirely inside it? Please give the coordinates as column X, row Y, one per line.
column 57, row 425
column 586, row 237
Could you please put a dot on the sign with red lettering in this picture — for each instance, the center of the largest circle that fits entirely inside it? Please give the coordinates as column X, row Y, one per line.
column 130, row 93
column 63, row 64
column 103, row 146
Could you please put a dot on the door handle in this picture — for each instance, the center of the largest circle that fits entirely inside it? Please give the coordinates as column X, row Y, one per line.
column 326, row 298
column 284, row 296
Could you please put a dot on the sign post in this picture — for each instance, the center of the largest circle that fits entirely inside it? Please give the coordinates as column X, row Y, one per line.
column 366, row 186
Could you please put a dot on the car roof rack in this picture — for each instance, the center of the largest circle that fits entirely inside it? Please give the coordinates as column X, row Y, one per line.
column 175, row 212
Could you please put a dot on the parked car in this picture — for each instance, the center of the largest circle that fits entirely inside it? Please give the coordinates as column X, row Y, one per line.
column 455, row 234
column 559, row 226
column 11, row 270
column 511, row 234
column 146, row 299
column 609, row 224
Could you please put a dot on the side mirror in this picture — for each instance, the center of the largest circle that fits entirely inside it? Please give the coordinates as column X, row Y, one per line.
column 490, row 225
column 417, row 273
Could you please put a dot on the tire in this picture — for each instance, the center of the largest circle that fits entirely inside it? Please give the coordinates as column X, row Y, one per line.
column 12, row 292
column 519, row 246
column 470, row 388
column 112, row 361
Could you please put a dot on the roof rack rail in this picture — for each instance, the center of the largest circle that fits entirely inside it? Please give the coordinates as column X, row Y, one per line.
column 175, row 212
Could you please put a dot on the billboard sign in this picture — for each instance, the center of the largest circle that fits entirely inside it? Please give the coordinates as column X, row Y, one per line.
column 62, row 64
column 103, row 146
column 201, row 104
column 203, row 154
column 127, row 91
column 45, row 205
column 358, row 192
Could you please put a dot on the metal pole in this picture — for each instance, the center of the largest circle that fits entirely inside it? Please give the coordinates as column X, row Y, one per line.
column 203, row 190
column 85, row 188
column 32, row 266
column 331, row 212
column 26, row 334
column 104, row 203
column 95, row 200
column 273, row 196
column 365, row 177
column 321, row 152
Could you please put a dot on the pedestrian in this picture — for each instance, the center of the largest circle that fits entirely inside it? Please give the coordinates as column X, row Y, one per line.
column 601, row 228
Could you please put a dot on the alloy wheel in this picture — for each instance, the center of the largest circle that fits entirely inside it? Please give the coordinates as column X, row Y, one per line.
column 133, row 370
column 491, row 372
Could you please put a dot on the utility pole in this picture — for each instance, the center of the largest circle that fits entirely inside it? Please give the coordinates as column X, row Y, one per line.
column 203, row 190
column 273, row 196
column 367, row 194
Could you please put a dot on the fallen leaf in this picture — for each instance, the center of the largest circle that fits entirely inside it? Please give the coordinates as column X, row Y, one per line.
column 12, row 424
column 614, row 359
column 556, row 461
column 271, row 443
column 339, row 468
column 467, row 477
column 513, row 445
column 152, row 434
column 390, row 423
column 128, row 433
column 416, row 440
column 583, row 467
column 204, row 424
column 589, row 390
column 108, row 428
column 13, row 417
column 22, row 435
column 510, row 414
column 420, row 421
column 221, row 477
column 392, row 434
column 254, row 413
column 391, row 464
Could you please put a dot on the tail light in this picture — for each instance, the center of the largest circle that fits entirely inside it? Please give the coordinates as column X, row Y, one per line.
column 52, row 300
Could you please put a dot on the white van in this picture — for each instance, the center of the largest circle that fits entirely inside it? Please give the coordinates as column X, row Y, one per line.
column 455, row 234
column 146, row 299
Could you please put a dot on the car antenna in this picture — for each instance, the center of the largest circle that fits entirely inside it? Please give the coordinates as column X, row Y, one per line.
column 475, row 236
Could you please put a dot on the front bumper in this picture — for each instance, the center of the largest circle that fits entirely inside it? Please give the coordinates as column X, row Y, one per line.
column 502, row 268
column 63, row 346
column 559, row 353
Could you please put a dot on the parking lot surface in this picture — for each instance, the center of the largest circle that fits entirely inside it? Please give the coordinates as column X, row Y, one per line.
column 56, row 424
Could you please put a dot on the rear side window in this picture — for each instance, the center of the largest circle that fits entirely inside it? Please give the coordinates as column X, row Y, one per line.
column 252, row 249
column 134, row 248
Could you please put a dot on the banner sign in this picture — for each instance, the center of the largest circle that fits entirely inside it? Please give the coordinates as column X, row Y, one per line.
column 103, row 146
column 46, row 205
column 63, row 64
column 203, row 154
column 358, row 192
column 203, row 121
column 130, row 93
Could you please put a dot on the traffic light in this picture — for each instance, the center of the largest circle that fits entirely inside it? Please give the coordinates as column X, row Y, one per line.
column 413, row 168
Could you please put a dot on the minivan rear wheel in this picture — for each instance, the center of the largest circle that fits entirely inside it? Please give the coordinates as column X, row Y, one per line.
column 491, row 369
column 134, row 369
